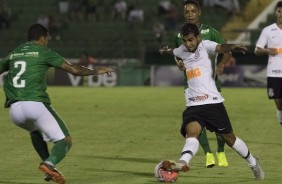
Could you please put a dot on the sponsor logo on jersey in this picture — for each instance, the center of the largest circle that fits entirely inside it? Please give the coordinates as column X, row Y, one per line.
column 193, row 73
column 199, row 98
column 16, row 55
column 32, row 54
column 276, row 71
column 205, row 31
column 279, row 50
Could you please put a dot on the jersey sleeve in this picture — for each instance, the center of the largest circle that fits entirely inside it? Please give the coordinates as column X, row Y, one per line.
column 53, row 59
column 210, row 45
column 178, row 52
column 262, row 41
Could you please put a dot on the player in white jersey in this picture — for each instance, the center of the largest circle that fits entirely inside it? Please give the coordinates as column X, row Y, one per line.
column 204, row 102
column 200, row 81
column 270, row 43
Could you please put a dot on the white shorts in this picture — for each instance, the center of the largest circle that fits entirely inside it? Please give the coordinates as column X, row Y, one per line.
column 33, row 116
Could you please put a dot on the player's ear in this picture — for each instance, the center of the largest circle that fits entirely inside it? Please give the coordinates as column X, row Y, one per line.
column 200, row 12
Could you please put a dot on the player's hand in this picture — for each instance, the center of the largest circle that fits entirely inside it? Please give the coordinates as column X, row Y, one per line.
column 272, row 51
column 240, row 47
column 165, row 50
column 106, row 70
column 179, row 63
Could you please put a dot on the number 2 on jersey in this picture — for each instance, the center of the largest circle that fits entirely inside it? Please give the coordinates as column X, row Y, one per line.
column 16, row 80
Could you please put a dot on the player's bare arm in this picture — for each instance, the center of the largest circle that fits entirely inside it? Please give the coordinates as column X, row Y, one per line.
column 224, row 60
column 79, row 70
column 224, row 48
column 266, row 51
column 179, row 63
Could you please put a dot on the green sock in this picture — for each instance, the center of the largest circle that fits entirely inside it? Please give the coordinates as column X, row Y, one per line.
column 58, row 151
column 203, row 139
column 39, row 144
column 220, row 143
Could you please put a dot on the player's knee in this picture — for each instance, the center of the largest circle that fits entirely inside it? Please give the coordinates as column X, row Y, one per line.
column 229, row 139
column 193, row 129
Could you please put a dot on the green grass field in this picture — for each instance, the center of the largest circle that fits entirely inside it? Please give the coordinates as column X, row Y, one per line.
column 120, row 134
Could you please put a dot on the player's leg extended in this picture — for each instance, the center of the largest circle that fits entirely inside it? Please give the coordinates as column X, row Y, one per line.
column 221, row 158
column 241, row 148
column 190, row 148
column 203, row 139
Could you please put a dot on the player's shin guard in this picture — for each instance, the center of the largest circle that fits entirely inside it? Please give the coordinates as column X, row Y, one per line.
column 190, row 149
column 241, row 148
column 59, row 151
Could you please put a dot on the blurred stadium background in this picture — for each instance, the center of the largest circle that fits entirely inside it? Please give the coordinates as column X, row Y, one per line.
column 132, row 47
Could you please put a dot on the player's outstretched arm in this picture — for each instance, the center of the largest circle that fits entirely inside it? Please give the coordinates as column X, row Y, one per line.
column 266, row 51
column 166, row 50
column 223, row 48
column 80, row 70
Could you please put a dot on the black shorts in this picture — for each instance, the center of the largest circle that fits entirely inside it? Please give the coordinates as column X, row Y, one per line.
column 212, row 116
column 274, row 87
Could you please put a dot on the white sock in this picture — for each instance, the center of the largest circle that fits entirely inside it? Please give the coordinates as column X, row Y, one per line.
column 241, row 148
column 279, row 115
column 49, row 163
column 190, row 149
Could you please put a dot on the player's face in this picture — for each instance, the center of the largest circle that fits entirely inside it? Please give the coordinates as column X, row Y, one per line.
column 192, row 13
column 278, row 14
column 191, row 42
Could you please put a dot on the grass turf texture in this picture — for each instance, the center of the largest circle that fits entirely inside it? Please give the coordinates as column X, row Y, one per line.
column 120, row 134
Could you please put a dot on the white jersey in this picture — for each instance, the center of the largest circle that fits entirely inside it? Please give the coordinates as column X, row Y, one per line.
column 271, row 37
column 202, row 89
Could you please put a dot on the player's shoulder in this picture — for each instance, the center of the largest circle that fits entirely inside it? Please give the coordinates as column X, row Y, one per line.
column 271, row 27
column 207, row 28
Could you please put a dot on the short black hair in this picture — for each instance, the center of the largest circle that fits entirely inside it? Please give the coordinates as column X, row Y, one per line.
column 190, row 28
column 278, row 5
column 36, row 31
column 195, row 2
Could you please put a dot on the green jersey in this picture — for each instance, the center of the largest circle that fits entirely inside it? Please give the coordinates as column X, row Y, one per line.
column 207, row 33
column 27, row 66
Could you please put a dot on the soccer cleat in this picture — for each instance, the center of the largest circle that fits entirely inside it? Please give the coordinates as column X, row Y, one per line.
column 221, row 159
column 171, row 165
column 210, row 160
column 257, row 170
column 51, row 172
column 47, row 177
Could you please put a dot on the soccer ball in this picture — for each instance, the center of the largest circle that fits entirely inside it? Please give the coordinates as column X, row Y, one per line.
column 165, row 176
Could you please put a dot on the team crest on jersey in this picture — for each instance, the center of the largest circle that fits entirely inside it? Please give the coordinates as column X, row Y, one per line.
column 197, row 54
column 270, row 92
